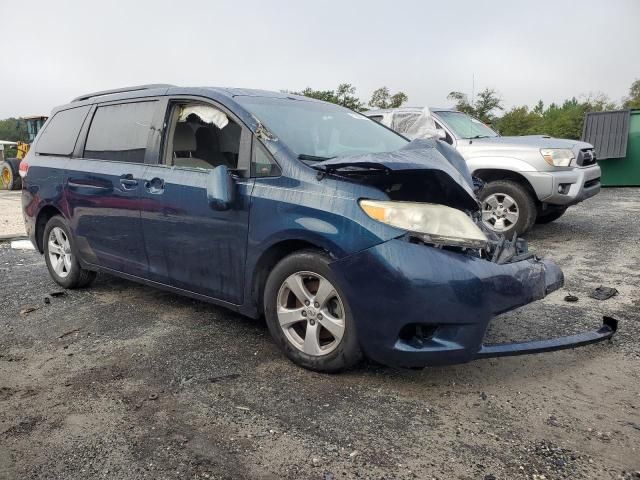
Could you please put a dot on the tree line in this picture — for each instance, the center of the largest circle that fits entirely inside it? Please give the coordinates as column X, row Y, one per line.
column 558, row 120
column 345, row 95
column 562, row 120
column 12, row 130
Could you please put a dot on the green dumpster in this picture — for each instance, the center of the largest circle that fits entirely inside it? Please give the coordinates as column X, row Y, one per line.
column 616, row 138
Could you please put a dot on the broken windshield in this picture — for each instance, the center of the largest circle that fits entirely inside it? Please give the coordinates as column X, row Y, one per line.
column 316, row 131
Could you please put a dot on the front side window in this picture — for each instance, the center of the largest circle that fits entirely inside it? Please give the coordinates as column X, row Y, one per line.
column 59, row 138
column 447, row 137
column 203, row 136
column 262, row 164
column 464, row 126
column 120, row 132
column 317, row 131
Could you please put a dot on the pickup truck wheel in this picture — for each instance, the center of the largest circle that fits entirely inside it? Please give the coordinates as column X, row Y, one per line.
column 507, row 207
column 550, row 214
column 308, row 314
column 59, row 254
column 9, row 176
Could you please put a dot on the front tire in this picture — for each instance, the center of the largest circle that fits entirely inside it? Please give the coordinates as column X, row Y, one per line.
column 308, row 314
column 507, row 207
column 60, row 256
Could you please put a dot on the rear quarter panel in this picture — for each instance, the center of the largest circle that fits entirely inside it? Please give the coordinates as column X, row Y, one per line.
column 43, row 186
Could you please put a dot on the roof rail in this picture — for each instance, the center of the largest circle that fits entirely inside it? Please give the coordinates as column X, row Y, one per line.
column 121, row 90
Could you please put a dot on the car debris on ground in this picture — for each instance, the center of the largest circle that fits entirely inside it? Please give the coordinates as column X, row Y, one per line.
column 603, row 293
column 22, row 244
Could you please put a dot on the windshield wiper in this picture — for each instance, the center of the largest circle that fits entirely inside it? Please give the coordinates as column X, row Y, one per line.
column 352, row 168
column 313, row 158
column 478, row 136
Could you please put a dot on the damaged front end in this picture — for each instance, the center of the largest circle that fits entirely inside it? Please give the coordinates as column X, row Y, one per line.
column 432, row 197
column 451, row 275
column 424, row 171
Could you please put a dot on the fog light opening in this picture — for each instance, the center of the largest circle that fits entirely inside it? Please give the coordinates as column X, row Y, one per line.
column 563, row 188
column 417, row 334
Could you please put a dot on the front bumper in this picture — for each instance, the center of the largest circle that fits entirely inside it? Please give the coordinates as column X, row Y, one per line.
column 397, row 285
column 607, row 330
column 566, row 187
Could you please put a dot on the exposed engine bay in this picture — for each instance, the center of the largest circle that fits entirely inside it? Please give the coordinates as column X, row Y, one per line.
column 428, row 171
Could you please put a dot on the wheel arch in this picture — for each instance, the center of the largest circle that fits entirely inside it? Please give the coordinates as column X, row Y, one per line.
column 269, row 259
column 44, row 215
column 492, row 174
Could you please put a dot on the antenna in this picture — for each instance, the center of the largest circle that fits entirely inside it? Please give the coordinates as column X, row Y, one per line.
column 473, row 102
column 473, row 88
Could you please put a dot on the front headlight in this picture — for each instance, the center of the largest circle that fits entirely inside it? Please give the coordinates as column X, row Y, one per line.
column 557, row 157
column 435, row 223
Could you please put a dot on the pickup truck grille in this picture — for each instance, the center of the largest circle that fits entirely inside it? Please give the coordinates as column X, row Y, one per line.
column 586, row 157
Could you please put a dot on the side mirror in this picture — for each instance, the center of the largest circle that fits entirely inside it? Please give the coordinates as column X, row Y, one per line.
column 442, row 135
column 220, row 189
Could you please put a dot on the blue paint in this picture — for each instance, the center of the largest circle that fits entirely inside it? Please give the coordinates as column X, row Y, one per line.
column 199, row 233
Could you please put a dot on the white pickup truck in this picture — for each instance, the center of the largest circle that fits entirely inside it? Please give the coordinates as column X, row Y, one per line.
column 529, row 179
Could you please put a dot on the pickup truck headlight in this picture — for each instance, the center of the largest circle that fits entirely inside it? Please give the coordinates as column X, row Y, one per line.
column 557, row 157
column 434, row 223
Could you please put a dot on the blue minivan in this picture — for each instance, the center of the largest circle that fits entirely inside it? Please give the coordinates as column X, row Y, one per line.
column 350, row 240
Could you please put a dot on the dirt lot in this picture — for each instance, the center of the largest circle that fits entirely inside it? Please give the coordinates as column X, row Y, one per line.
column 11, row 222
column 124, row 381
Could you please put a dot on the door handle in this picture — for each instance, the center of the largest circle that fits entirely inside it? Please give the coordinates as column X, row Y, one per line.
column 155, row 185
column 128, row 182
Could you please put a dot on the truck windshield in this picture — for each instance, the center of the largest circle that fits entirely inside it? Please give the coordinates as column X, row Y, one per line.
column 316, row 131
column 464, row 126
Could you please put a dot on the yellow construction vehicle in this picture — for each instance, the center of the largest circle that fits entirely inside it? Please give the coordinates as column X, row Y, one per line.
column 9, row 177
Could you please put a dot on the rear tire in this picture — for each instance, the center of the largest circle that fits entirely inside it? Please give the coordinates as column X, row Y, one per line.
column 9, row 175
column 507, row 207
column 551, row 214
column 308, row 314
column 59, row 253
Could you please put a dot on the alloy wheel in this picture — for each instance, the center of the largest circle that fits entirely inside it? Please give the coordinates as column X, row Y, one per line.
column 500, row 212
column 311, row 313
column 59, row 249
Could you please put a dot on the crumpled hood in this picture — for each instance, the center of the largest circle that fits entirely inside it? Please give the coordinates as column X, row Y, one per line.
column 425, row 170
column 533, row 141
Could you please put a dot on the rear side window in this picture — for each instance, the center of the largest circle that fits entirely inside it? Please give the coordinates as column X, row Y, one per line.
column 59, row 137
column 401, row 122
column 120, row 132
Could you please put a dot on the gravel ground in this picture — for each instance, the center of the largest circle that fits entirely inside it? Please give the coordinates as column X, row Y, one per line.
column 11, row 222
column 124, row 381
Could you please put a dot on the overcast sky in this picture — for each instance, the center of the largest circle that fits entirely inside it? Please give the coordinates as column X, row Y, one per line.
column 543, row 49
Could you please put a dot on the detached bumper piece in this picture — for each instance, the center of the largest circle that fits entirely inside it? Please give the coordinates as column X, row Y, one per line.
column 605, row 332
